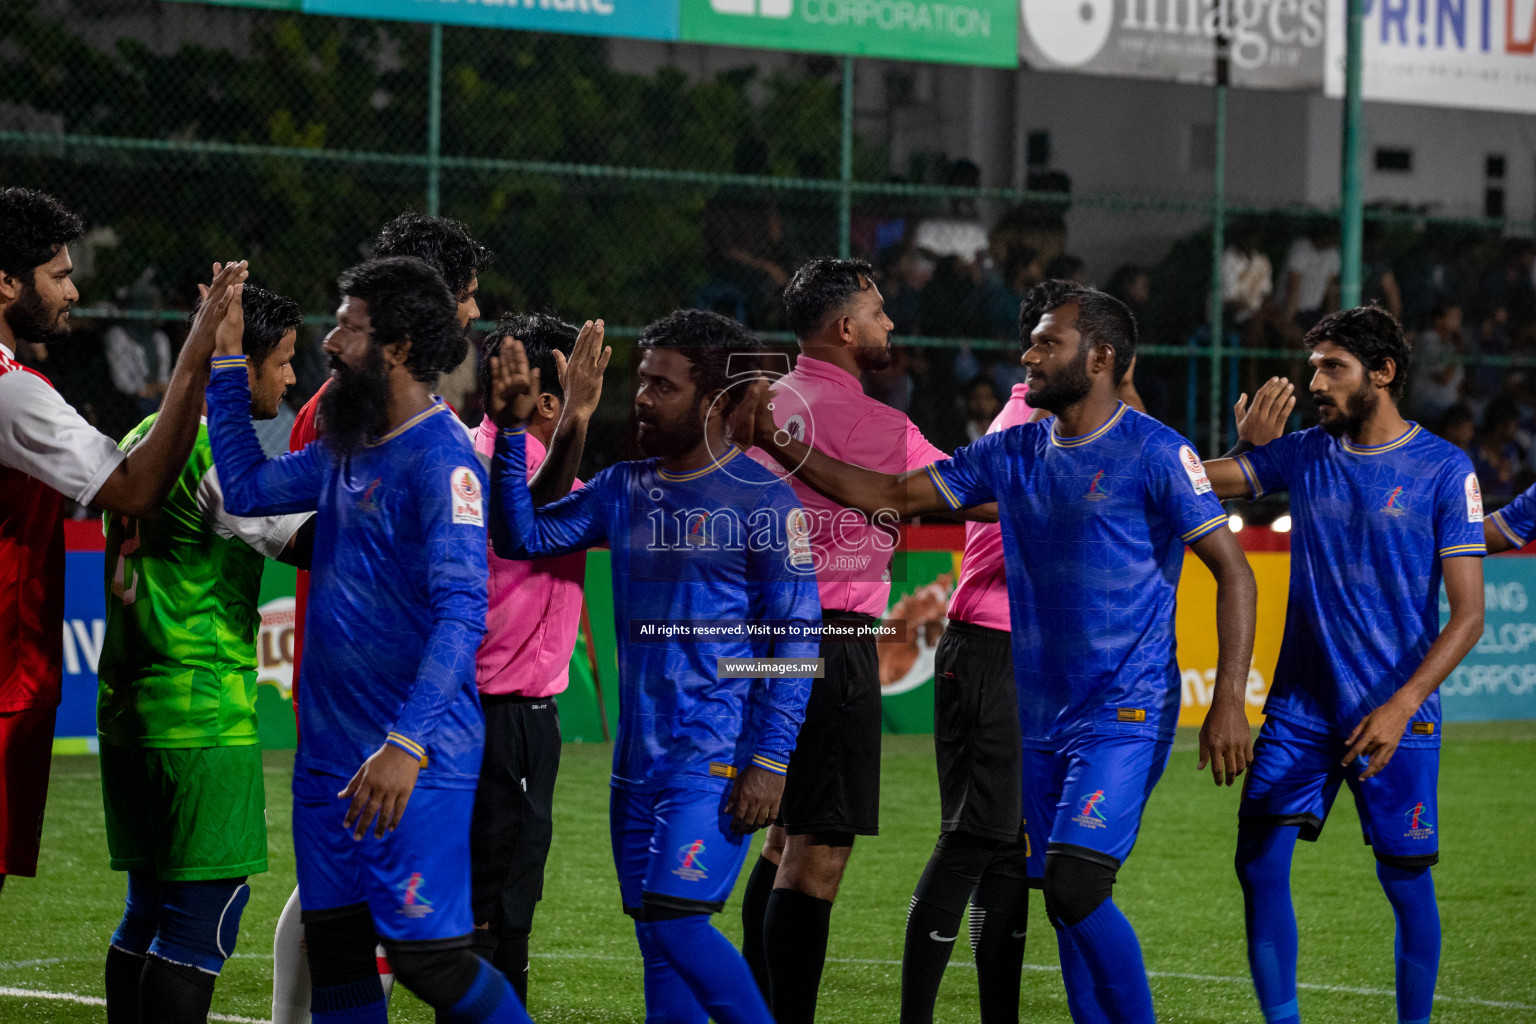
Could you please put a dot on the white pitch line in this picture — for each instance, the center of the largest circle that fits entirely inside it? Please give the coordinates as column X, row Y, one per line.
column 70, row 997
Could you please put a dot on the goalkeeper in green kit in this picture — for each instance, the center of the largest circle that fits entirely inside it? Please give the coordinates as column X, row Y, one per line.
column 176, row 714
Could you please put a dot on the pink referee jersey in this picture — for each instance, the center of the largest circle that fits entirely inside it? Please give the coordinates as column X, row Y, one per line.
column 535, row 610
column 824, row 406
column 981, row 597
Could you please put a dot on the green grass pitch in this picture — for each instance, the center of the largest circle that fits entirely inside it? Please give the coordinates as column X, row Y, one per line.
column 1178, row 889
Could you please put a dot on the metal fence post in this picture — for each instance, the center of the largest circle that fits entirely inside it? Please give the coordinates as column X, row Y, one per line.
column 1351, row 209
column 1218, row 231
column 845, row 168
column 435, row 121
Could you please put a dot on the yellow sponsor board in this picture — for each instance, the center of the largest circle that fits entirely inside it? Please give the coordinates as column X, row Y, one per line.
column 1196, row 627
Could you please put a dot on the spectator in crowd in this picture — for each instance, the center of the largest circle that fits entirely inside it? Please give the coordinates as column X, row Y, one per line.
column 139, row 352
column 1459, row 426
column 1510, row 286
column 1489, row 337
column 904, row 275
column 1066, row 267
column 1312, row 275
column 1378, row 282
column 981, row 406
column 959, row 233
column 1438, row 353
column 1500, row 459
column 993, row 311
column 941, row 306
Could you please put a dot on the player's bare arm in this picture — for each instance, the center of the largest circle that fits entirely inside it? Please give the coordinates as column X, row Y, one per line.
column 1257, row 425
column 1494, row 538
column 379, row 791
column 139, row 485
column 1379, row 733
column 754, row 800
column 1226, row 740
column 581, row 378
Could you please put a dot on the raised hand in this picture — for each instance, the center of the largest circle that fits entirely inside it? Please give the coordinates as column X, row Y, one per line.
column 581, row 376
column 214, row 307
column 751, row 424
column 514, row 386
column 1265, row 419
column 229, row 336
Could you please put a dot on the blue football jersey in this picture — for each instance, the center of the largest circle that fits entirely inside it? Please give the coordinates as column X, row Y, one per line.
column 1369, row 528
column 1517, row 520
column 1094, row 529
column 716, row 552
column 396, row 589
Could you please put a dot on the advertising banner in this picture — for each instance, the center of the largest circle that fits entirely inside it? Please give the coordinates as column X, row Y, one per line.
column 1274, row 44
column 1477, row 54
column 644, row 19
column 1498, row 679
column 950, row 32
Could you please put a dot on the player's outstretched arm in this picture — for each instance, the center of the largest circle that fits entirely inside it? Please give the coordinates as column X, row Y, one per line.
column 1257, row 425
column 581, row 378
column 903, row 495
column 1512, row 526
column 1226, row 741
column 1379, row 733
column 140, row 483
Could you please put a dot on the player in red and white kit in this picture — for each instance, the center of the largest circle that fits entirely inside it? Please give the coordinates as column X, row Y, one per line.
column 50, row 454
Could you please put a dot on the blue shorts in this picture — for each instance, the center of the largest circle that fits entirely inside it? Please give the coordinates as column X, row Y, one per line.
column 1088, row 803
column 415, row 880
column 1296, row 774
column 674, row 848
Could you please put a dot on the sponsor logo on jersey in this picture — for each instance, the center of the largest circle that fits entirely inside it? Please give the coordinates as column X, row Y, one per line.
column 1423, row 728
column 797, row 531
column 1096, row 492
column 468, row 501
column 1474, row 499
column 795, row 427
column 1394, row 506
column 1089, row 815
column 1130, row 715
column 690, row 862
column 1416, row 818
column 366, row 502
column 1194, row 469
column 698, row 530
column 412, row 903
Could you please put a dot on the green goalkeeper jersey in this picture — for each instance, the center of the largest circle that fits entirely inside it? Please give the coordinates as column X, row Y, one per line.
column 178, row 663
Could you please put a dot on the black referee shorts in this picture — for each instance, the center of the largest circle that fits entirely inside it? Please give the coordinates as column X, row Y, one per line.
column 976, row 732
column 510, row 832
column 833, row 784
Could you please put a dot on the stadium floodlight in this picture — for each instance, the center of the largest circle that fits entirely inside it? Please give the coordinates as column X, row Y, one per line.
column 1235, row 523
column 1282, row 524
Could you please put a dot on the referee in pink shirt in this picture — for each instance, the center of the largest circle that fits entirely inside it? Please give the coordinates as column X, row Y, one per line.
column 832, row 792
column 524, row 661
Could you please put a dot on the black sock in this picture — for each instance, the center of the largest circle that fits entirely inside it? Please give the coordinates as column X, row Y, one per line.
column 754, row 905
column 174, row 993
column 511, row 959
column 795, row 928
column 999, row 914
column 931, row 934
column 124, row 969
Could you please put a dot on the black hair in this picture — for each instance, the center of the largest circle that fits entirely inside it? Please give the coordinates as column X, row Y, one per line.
column 1101, row 319
column 407, row 299
column 1371, row 335
column 268, row 316
column 542, row 335
column 33, row 225
column 440, row 242
column 720, row 349
column 822, row 287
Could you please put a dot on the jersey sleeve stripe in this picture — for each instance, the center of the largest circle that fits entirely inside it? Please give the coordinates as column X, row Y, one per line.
column 769, row 764
column 1503, row 527
column 1463, row 549
column 938, row 481
column 1204, row 528
column 406, row 744
column 1249, row 475
column 228, row 363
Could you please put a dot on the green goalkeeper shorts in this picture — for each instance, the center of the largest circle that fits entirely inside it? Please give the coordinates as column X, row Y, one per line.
column 191, row 814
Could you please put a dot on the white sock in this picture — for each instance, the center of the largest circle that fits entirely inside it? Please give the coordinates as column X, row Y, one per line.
column 290, row 968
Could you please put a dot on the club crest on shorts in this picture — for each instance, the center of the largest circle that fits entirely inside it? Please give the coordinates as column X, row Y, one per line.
column 1089, row 815
column 690, row 862
column 412, row 903
column 1417, row 820
column 468, row 499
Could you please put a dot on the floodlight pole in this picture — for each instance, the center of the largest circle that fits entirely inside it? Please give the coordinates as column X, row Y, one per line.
column 1351, row 200
column 435, row 121
column 845, row 168
column 1218, row 228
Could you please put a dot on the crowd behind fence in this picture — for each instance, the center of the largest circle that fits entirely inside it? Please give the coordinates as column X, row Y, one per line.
column 621, row 195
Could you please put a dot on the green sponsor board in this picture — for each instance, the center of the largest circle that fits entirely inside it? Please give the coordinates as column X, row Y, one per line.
column 943, row 31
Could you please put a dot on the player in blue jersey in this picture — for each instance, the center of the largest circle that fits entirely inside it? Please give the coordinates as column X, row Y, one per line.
column 397, row 605
column 1382, row 511
column 1096, row 505
column 703, row 539
column 1513, row 526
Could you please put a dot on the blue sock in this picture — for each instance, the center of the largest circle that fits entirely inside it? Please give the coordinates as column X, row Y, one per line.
column 361, row 1002
column 1082, row 1000
column 1412, row 892
column 668, row 999
column 718, row 976
column 1109, row 948
column 490, row 1000
column 1264, row 869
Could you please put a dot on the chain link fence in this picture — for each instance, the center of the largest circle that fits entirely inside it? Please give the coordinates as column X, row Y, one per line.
column 289, row 139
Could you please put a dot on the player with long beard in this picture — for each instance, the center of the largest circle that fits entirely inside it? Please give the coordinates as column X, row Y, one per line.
column 1096, row 506
column 1383, row 512
column 702, row 537
column 400, row 553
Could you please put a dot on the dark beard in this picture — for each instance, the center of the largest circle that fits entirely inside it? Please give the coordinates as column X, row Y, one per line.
column 1069, row 386
column 29, row 319
column 1358, row 408
column 354, row 407
column 872, row 357
column 680, row 438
